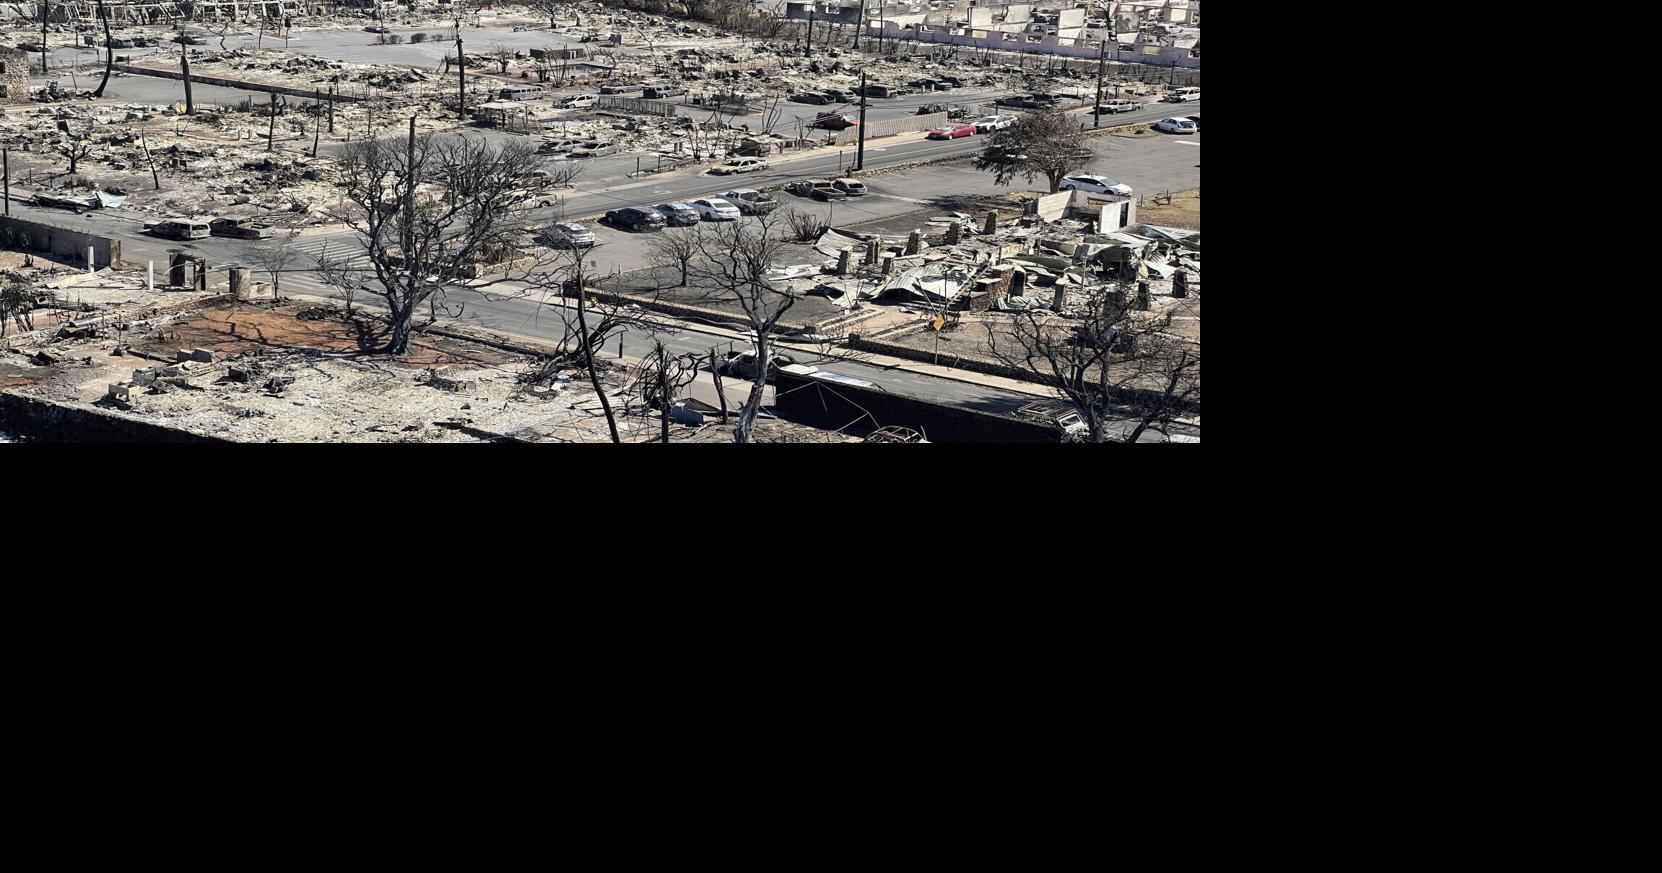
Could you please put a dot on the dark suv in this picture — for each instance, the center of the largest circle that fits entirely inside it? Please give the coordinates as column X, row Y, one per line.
column 636, row 218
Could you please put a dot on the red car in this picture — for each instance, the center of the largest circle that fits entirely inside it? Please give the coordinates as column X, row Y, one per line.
column 953, row 132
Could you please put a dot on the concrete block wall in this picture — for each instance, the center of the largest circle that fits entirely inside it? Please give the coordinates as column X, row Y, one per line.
column 61, row 241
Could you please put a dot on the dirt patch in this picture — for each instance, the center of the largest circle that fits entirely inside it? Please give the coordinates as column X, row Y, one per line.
column 1183, row 211
column 234, row 330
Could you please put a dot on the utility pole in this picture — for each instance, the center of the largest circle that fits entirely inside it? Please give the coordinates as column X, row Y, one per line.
column 810, row 30
column 184, row 66
column 859, row 18
column 6, row 167
column 1101, row 61
column 43, row 9
column 331, row 108
column 860, row 148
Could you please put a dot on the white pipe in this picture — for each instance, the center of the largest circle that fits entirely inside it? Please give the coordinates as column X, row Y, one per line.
column 150, row 280
column 89, row 259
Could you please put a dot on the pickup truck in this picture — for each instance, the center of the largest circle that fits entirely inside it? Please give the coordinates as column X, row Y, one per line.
column 238, row 227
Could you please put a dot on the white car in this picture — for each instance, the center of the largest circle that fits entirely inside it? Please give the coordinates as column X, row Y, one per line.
column 994, row 122
column 1177, row 125
column 1096, row 185
column 716, row 209
column 582, row 101
column 739, row 165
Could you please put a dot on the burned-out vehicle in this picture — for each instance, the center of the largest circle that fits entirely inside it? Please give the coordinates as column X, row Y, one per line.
column 238, row 227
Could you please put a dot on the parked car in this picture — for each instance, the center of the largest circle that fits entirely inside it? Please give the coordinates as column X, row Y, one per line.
column 819, row 189
column 663, row 91
column 238, row 227
column 596, row 149
column 927, row 84
column 637, row 218
column 1012, row 100
column 716, row 209
column 1114, row 107
column 836, row 121
column 558, row 146
column 751, row 201
column 677, row 214
column 180, row 228
column 1177, row 125
column 568, row 236
column 1183, row 95
column 954, row 81
column 1196, row 120
column 810, row 97
column 743, row 364
column 875, row 90
column 739, row 165
column 840, row 95
column 851, row 187
column 1095, row 185
column 993, row 122
column 952, row 131
column 581, row 101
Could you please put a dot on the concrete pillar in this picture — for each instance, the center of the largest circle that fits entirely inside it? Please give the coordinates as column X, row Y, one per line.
column 914, row 243
column 1058, row 298
column 954, row 233
column 240, row 286
column 150, row 277
column 176, row 267
column 201, row 274
column 1144, row 299
column 90, row 268
column 1180, row 284
column 871, row 252
column 888, row 264
column 991, row 225
column 845, row 262
column 1018, row 283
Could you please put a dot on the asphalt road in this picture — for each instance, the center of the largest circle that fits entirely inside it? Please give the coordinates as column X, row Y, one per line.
column 593, row 195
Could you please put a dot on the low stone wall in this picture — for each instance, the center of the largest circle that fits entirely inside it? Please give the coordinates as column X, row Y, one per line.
column 66, row 242
column 45, row 421
column 243, row 84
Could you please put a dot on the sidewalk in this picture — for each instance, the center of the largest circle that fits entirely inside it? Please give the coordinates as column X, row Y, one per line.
column 868, row 358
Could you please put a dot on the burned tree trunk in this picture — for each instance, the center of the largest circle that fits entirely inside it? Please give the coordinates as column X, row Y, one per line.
column 588, row 359
column 109, row 49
